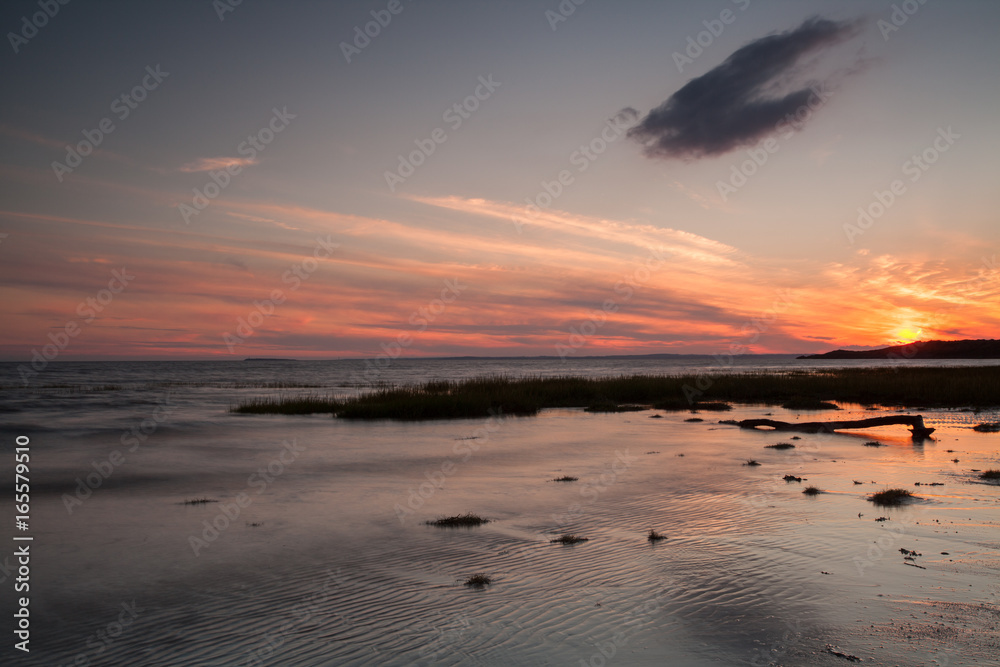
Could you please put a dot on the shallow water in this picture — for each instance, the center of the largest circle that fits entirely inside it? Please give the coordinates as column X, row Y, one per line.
column 329, row 561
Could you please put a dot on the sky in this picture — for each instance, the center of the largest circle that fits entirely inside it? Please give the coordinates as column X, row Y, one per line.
column 220, row 180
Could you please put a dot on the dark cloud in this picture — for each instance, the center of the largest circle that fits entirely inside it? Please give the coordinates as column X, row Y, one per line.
column 734, row 104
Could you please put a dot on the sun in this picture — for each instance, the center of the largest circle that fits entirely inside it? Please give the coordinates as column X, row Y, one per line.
column 907, row 335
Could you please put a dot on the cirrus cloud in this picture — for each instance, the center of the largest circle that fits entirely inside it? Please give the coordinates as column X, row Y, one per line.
column 213, row 163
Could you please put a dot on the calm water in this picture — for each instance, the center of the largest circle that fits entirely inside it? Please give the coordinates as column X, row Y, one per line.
column 313, row 549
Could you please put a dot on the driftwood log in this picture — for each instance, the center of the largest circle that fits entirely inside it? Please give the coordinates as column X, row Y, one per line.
column 915, row 422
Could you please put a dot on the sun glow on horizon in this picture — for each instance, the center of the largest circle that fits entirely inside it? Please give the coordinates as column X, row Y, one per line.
column 908, row 335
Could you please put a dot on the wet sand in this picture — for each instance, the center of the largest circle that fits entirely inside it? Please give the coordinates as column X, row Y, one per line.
column 331, row 562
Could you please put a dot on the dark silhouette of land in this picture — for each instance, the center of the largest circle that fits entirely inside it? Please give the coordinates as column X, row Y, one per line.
column 927, row 349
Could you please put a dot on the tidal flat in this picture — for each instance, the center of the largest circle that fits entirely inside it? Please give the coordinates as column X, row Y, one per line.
column 328, row 558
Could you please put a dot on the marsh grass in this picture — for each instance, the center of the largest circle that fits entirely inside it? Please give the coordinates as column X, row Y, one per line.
column 615, row 407
column 569, row 539
column 751, row 462
column 654, row 536
column 306, row 404
column 801, row 403
column 873, row 443
column 890, row 497
column 990, row 474
column 199, row 501
column 524, row 396
column 791, row 478
column 479, row 580
column 812, row 491
column 459, row 520
column 780, row 445
column 566, row 478
column 989, row 427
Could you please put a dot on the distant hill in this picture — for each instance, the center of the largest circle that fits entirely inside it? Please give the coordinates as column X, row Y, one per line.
column 925, row 349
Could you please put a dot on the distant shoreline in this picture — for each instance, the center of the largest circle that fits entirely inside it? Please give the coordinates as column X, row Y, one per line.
column 929, row 349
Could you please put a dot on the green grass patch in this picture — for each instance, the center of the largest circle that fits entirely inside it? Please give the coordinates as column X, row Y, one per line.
column 524, row 396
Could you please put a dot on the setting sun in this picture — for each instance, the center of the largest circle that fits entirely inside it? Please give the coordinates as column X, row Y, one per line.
column 908, row 335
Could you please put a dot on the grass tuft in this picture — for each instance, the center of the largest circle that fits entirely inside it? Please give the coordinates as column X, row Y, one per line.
column 812, row 491
column 569, row 539
column 752, row 462
column 655, row 536
column 199, row 501
column 988, row 427
column 874, row 443
column 781, row 445
column 890, row 497
column 791, row 478
column 479, row 580
column 459, row 520
column 990, row 474
column 566, row 478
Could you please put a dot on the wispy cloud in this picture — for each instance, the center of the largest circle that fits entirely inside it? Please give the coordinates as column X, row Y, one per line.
column 738, row 103
column 213, row 163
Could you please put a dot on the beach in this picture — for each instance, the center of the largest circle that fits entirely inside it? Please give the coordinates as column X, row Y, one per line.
column 226, row 539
